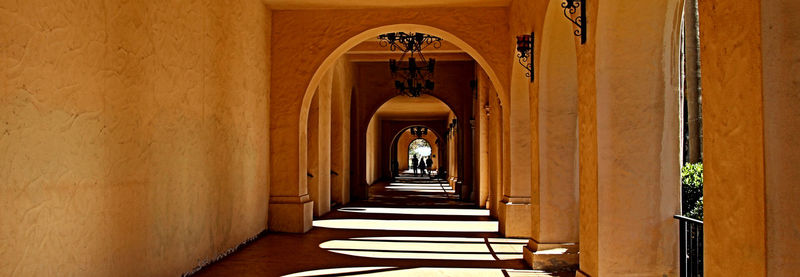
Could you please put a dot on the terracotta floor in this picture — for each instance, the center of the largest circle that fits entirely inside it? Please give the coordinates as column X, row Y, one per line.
column 415, row 227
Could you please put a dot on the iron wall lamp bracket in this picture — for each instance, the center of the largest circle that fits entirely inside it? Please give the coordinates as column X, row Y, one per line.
column 525, row 45
column 570, row 8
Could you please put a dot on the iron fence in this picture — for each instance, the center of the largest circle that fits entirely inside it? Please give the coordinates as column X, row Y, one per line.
column 691, row 251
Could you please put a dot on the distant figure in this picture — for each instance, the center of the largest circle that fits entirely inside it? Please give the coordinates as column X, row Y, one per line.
column 422, row 166
column 415, row 164
column 429, row 162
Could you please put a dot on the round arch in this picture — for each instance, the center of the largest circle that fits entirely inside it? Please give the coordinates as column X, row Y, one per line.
column 398, row 148
column 328, row 62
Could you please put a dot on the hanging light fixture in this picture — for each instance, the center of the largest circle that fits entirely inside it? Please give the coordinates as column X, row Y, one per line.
column 419, row 131
column 413, row 77
column 525, row 44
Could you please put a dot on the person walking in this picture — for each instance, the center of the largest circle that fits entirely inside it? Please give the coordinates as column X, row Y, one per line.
column 429, row 163
column 415, row 164
column 422, row 166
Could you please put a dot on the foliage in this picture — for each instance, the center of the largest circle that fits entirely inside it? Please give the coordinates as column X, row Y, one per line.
column 697, row 211
column 419, row 147
column 692, row 190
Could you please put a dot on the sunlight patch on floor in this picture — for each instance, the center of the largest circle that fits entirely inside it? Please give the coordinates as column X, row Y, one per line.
column 448, row 239
column 417, row 211
column 427, row 248
column 431, row 271
column 409, row 225
column 338, row 271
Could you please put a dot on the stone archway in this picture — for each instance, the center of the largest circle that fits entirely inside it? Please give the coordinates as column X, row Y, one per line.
column 403, row 138
column 300, row 73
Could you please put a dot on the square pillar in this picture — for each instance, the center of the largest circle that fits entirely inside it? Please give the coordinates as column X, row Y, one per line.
column 290, row 214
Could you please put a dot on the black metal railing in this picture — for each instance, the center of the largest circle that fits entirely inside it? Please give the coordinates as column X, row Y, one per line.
column 691, row 232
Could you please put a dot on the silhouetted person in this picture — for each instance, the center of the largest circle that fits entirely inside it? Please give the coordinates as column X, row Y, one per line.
column 395, row 168
column 415, row 164
column 422, row 166
column 429, row 162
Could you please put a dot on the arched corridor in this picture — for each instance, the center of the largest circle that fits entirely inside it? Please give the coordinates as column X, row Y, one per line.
column 278, row 138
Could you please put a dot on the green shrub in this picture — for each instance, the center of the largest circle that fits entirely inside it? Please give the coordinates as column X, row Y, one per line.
column 692, row 190
column 697, row 211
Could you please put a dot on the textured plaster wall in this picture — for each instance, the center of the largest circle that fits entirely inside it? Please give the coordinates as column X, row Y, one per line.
column 780, row 29
column 134, row 134
column 319, row 147
column 733, row 139
column 481, row 143
column 557, row 197
column 587, row 148
column 637, row 138
column 495, row 153
column 343, row 83
column 373, row 151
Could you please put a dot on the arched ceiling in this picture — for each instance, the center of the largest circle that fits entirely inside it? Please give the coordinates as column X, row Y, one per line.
column 425, row 107
column 354, row 4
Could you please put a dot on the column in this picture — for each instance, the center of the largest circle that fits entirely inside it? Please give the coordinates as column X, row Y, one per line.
column 750, row 112
column 554, row 195
column 637, row 129
column 515, row 205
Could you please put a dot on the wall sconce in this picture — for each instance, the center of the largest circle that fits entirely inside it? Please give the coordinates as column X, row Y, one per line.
column 525, row 45
column 570, row 8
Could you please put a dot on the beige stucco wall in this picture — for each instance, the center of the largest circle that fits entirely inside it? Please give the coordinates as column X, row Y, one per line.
column 733, row 139
column 134, row 134
column 587, row 148
column 373, row 154
column 637, row 138
column 319, row 147
column 780, row 29
column 495, row 122
column 343, row 83
column 481, row 141
column 555, row 200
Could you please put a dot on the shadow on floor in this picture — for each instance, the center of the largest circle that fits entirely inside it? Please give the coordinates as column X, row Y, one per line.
column 407, row 228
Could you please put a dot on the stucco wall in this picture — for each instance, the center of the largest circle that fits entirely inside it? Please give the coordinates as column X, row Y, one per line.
column 373, row 151
column 134, row 134
column 637, row 138
column 343, row 83
column 781, row 72
column 555, row 193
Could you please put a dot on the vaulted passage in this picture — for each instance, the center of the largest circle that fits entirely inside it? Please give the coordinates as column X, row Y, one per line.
column 399, row 138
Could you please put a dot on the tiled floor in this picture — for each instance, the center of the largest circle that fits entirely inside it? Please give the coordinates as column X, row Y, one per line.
column 413, row 227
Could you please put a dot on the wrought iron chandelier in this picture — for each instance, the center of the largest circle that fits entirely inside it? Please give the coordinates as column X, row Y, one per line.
column 414, row 76
column 419, row 131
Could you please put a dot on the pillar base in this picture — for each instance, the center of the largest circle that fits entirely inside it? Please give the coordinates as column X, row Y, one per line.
column 551, row 256
column 290, row 214
column 515, row 217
